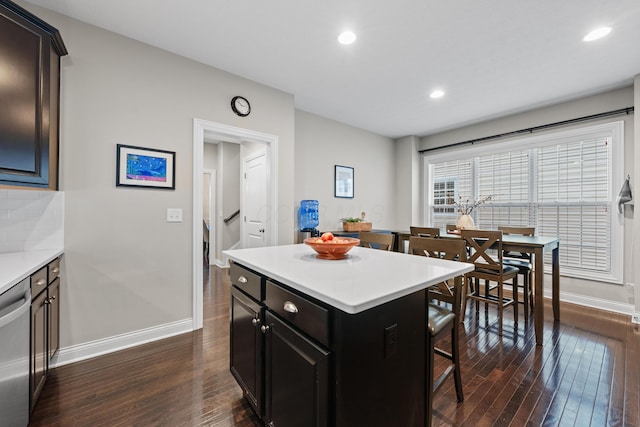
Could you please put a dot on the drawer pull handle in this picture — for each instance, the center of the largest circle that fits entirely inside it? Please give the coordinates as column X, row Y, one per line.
column 290, row 307
column 264, row 328
column 242, row 279
column 40, row 282
column 55, row 270
column 255, row 321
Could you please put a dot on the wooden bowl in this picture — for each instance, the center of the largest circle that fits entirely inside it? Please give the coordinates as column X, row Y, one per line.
column 328, row 250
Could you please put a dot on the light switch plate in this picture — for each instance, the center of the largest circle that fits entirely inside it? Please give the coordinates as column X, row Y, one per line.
column 174, row 215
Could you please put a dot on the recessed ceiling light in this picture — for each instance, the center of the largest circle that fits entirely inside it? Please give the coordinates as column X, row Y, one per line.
column 596, row 34
column 437, row 94
column 347, row 37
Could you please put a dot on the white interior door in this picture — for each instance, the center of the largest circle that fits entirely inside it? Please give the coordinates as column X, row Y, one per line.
column 255, row 201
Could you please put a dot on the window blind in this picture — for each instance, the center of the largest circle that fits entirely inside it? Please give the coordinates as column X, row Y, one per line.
column 562, row 184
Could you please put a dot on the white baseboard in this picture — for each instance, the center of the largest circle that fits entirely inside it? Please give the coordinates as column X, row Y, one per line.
column 95, row 348
column 616, row 307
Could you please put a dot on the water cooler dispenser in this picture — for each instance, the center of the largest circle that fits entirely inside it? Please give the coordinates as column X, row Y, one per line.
column 307, row 220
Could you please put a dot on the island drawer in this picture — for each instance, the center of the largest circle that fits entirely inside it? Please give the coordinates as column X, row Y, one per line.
column 247, row 280
column 298, row 311
column 39, row 281
column 54, row 269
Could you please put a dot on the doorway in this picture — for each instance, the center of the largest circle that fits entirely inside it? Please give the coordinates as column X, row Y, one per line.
column 209, row 229
column 203, row 129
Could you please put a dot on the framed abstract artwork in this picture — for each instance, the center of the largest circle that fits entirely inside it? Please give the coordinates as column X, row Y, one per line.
column 145, row 167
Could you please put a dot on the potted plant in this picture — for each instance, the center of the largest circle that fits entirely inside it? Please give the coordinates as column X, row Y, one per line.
column 356, row 224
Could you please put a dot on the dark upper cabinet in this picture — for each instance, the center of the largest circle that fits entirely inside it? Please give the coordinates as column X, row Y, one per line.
column 30, row 52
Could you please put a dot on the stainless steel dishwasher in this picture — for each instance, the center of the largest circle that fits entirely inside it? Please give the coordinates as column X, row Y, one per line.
column 14, row 355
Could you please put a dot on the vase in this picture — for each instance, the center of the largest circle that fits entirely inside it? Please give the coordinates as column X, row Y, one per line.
column 465, row 222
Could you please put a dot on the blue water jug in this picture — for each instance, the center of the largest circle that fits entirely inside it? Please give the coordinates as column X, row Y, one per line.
column 308, row 214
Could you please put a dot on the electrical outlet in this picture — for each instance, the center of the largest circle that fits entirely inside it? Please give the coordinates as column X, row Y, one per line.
column 174, row 215
column 635, row 318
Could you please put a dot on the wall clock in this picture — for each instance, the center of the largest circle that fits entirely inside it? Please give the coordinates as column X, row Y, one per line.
column 240, row 106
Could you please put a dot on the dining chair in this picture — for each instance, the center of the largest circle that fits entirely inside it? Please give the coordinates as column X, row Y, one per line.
column 382, row 241
column 486, row 254
column 441, row 319
column 424, row 231
column 524, row 263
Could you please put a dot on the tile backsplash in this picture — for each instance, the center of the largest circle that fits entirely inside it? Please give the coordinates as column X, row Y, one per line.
column 31, row 220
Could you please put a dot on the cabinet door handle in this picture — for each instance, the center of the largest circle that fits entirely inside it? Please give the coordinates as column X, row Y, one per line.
column 255, row 321
column 242, row 279
column 290, row 307
column 264, row 328
column 52, row 298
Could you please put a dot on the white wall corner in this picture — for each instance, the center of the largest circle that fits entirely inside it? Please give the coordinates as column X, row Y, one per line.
column 92, row 349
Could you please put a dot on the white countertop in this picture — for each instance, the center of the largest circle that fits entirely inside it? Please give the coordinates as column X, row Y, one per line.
column 15, row 266
column 365, row 279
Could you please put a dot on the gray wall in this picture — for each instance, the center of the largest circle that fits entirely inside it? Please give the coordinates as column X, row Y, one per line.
column 320, row 145
column 635, row 188
column 408, row 194
column 125, row 267
column 612, row 100
column 229, row 187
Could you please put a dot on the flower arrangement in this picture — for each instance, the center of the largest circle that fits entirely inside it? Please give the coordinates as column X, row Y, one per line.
column 465, row 207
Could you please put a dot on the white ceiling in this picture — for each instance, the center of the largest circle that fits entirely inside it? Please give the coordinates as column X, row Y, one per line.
column 491, row 57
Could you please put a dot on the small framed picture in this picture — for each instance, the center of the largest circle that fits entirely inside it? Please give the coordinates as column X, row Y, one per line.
column 343, row 182
column 145, row 167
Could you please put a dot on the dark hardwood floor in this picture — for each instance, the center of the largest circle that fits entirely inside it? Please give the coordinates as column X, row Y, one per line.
column 586, row 374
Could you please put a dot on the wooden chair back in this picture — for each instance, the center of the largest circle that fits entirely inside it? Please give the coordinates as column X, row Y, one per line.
column 485, row 250
column 424, row 231
column 382, row 241
column 450, row 249
column 520, row 231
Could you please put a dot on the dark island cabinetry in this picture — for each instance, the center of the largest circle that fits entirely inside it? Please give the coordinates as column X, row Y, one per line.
column 30, row 52
column 302, row 362
column 45, row 324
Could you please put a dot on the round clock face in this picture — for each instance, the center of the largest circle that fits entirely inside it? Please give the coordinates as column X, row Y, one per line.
column 240, row 106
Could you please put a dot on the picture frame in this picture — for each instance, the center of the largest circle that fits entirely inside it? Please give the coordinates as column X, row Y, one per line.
column 145, row 167
column 343, row 182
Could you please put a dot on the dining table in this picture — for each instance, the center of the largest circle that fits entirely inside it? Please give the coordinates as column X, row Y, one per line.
column 536, row 245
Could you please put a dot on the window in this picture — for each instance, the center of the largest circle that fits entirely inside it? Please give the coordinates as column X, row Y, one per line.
column 444, row 195
column 561, row 183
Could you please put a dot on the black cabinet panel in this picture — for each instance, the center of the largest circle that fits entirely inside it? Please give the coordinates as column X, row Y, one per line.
column 297, row 378
column 247, row 344
column 30, row 53
column 39, row 351
column 19, row 97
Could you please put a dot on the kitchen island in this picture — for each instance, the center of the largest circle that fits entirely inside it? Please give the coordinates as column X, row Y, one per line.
column 333, row 342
